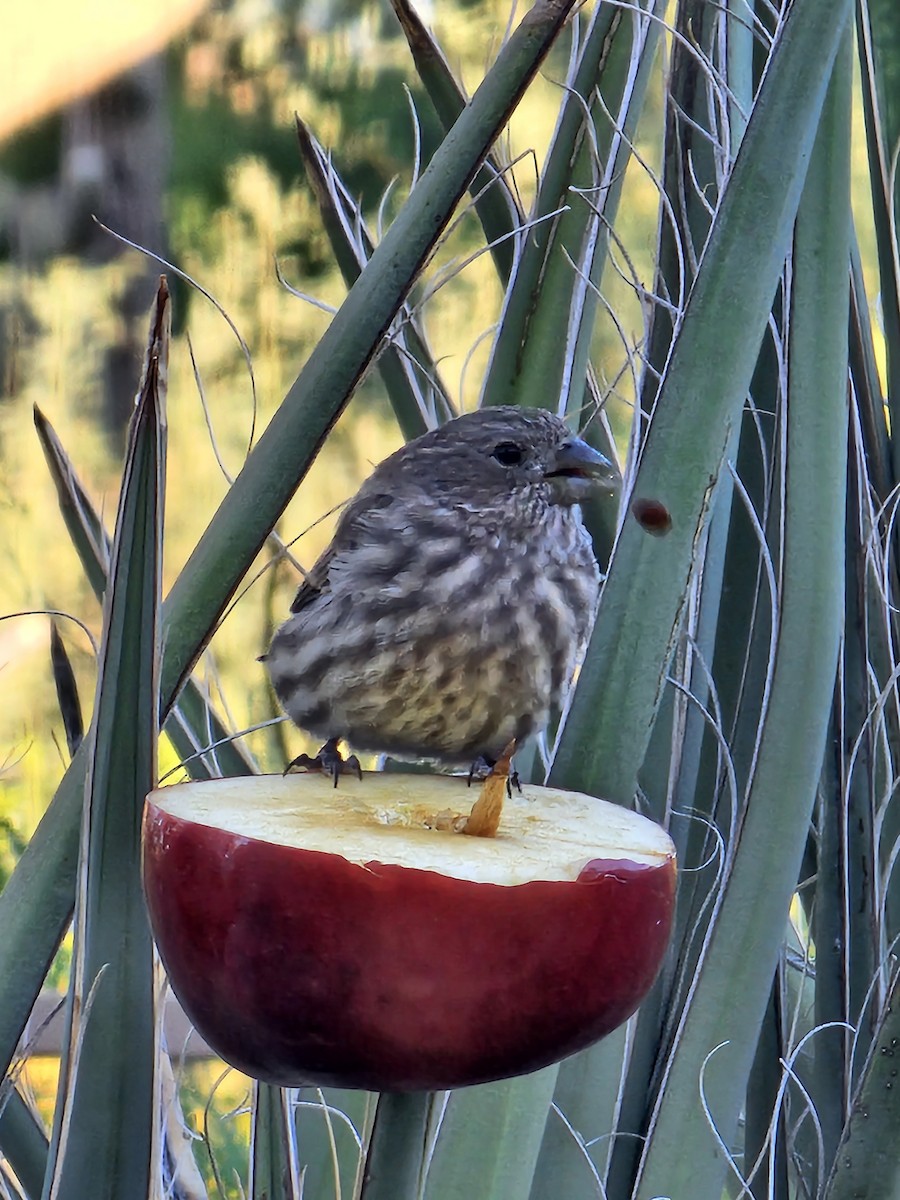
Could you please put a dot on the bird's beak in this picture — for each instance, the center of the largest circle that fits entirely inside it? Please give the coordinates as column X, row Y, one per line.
column 577, row 469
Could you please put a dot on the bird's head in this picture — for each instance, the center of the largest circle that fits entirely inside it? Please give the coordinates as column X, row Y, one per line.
column 493, row 453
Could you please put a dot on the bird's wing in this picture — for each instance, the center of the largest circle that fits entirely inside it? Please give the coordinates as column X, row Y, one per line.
column 365, row 519
column 314, row 582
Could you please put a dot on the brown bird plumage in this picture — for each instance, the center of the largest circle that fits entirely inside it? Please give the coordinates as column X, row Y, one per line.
column 450, row 609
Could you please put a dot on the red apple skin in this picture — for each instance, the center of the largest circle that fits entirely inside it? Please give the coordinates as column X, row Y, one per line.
column 301, row 967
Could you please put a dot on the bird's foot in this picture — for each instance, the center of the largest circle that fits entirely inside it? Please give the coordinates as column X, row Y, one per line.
column 484, row 765
column 329, row 760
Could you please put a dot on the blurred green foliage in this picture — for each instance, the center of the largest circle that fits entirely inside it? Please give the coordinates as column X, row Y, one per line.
column 11, row 846
column 216, row 1103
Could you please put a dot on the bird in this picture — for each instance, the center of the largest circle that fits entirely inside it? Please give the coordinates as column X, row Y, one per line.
column 448, row 614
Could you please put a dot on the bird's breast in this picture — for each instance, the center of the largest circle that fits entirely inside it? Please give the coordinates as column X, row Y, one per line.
column 446, row 647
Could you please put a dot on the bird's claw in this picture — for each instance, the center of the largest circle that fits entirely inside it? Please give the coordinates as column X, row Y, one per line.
column 482, row 767
column 329, row 760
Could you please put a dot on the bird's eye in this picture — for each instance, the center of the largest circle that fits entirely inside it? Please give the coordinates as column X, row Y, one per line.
column 508, row 454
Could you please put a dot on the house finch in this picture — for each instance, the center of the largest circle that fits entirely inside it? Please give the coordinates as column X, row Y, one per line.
column 454, row 602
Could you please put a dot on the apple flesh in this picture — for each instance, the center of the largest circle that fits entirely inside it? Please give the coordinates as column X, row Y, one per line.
column 330, row 936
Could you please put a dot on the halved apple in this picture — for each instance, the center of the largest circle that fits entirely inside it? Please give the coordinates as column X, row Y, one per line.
column 351, row 936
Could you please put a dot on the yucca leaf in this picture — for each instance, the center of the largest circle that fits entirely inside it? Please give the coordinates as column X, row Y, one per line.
column 494, row 199
column 848, row 948
column 66, row 690
column 395, row 1161
column 83, row 522
column 732, row 985
column 866, row 1163
column 23, row 1141
column 490, row 1139
column 763, row 1105
column 878, row 41
column 576, row 1146
column 878, row 30
column 331, row 1124
column 866, row 382
column 273, row 1154
column 37, row 902
column 193, row 723
column 681, row 769
column 410, row 374
column 829, row 1083
column 540, row 353
column 609, row 724
column 102, row 1135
